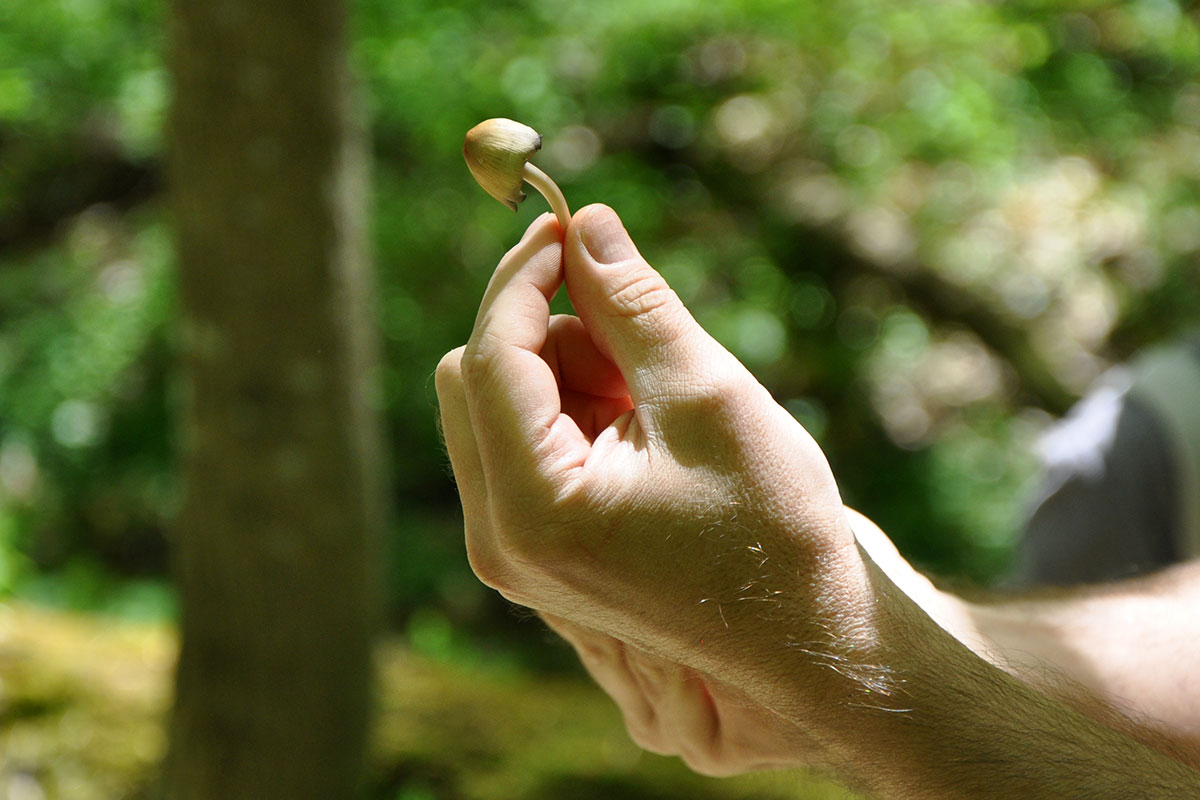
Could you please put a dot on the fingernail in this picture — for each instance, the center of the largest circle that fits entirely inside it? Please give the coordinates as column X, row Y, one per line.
column 605, row 238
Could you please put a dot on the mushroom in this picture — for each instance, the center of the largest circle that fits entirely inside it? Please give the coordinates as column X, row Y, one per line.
column 498, row 152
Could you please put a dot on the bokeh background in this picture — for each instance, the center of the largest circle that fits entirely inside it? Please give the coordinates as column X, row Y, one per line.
column 926, row 227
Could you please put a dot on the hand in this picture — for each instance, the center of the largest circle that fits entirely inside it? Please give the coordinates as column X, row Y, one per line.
column 625, row 476
column 621, row 470
column 674, row 711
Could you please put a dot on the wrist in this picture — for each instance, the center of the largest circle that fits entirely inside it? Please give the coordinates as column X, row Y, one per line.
column 840, row 650
column 950, row 612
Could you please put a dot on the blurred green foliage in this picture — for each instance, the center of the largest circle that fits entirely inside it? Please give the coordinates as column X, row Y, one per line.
column 925, row 226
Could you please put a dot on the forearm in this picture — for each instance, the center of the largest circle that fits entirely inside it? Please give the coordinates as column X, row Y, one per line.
column 972, row 730
column 1122, row 653
column 915, row 714
column 1130, row 647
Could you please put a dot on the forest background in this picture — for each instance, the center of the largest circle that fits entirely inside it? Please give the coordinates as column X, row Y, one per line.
column 926, row 227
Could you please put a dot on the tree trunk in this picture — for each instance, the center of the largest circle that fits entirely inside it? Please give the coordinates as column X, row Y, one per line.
column 276, row 539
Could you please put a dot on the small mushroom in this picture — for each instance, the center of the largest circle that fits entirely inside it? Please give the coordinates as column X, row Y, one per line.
column 498, row 152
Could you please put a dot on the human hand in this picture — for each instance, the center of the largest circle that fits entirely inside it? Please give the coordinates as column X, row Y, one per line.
column 621, row 470
column 671, row 710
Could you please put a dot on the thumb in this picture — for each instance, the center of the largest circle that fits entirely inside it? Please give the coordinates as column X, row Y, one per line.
column 633, row 316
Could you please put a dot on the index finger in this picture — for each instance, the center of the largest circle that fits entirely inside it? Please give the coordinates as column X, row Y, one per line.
column 512, row 395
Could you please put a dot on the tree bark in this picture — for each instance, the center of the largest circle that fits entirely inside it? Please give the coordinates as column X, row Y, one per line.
column 276, row 537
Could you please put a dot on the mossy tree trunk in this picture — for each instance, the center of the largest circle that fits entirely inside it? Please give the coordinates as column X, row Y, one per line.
column 275, row 540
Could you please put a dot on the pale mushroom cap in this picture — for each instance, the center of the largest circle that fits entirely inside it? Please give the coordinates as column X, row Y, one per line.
column 496, row 151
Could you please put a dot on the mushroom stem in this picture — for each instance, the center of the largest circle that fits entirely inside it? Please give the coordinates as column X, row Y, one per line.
column 549, row 190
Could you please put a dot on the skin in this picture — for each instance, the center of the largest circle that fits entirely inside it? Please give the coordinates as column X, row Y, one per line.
column 625, row 476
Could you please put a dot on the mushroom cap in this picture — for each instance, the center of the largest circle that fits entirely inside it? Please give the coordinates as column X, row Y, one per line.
column 496, row 151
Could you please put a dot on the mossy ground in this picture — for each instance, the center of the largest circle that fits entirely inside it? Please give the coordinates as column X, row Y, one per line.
column 83, row 700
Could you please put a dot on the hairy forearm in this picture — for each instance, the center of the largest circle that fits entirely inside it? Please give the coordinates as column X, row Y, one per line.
column 1129, row 647
column 934, row 720
column 972, row 730
column 1122, row 653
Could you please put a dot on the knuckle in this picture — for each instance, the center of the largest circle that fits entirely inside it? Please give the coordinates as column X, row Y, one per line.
column 448, row 375
column 515, row 554
column 708, row 755
column 474, row 363
column 703, row 755
column 496, row 572
column 644, row 733
column 490, row 562
column 484, row 560
column 643, row 292
column 484, row 361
